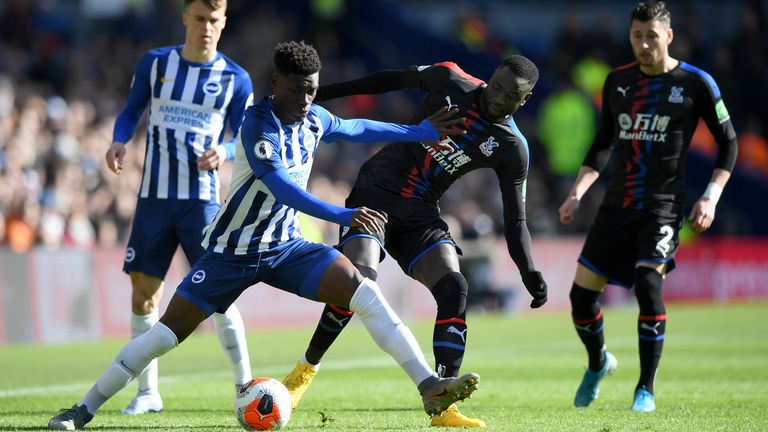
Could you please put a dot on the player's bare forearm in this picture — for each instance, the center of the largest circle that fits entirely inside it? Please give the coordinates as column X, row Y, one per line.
column 584, row 180
column 703, row 212
column 720, row 176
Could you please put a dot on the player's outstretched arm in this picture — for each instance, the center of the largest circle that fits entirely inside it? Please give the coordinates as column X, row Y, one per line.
column 287, row 192
column 586, row 177
column 703, row 212
column 366, row 131
column 378, row 82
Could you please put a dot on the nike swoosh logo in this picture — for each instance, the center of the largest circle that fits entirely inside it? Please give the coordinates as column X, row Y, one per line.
column 437, row 395
column 122, row 363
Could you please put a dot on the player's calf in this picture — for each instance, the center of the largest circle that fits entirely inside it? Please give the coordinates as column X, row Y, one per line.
column 651, row 324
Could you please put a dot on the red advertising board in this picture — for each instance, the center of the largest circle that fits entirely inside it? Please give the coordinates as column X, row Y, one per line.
column 732, row 269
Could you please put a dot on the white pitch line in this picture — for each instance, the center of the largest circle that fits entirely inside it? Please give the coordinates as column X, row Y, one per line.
column 361, row 363
column 372, row 362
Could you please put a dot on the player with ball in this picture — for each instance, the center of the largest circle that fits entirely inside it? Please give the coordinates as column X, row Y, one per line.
column 255, row 237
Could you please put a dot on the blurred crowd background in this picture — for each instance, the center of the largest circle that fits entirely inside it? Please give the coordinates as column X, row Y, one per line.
column 66, row 67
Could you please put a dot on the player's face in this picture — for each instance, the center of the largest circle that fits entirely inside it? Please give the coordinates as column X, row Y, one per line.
column 650, row 43
column 204, row 25
column 294, row 94
column 505, row 93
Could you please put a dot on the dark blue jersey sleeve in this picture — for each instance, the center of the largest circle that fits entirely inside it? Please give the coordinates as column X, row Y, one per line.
column 370, row 131
column 260, row 144
column 241, row 99
column 715, row 115
column 125, row 124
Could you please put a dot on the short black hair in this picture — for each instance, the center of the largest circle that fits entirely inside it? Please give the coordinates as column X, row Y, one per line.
column 212, row 4
column 650, row 10
column 522, row 67
column 293, row 57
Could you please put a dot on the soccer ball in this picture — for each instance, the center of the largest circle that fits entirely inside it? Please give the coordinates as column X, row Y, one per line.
column 263, row 404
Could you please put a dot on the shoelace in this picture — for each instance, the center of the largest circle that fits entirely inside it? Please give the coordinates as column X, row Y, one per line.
column 67, row 413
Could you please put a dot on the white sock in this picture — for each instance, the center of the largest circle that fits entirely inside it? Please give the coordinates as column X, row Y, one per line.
column 229, row 326
column 388, row 331
column 315, row 367
column 129, row 363
column 139, row 325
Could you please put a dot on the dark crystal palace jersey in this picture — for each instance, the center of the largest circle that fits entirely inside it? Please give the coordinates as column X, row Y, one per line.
column 420, row 174
column 649, row 122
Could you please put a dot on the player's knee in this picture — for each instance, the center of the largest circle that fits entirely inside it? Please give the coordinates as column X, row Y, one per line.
column 146, row 292
column 366, row 299
column 648, row 291
column 587, row 278
column 146, row 283
column 584, row 302
column 450, row 294
column 141, row 304
column 228, row 326
column 367, row 272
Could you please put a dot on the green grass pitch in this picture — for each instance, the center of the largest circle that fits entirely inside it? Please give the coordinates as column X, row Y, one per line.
column 713, row 377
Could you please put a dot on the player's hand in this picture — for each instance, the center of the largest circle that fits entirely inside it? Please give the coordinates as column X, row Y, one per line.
column 212, row 158
column 702, row 215
column 370, row 221
column 443, row 123
column 568, row 208
column 445, row 126
column 535, row 285
column 115, row 156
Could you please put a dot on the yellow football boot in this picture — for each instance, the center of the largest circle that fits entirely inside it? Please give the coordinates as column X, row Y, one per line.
column 452, row 417
column 298, row 381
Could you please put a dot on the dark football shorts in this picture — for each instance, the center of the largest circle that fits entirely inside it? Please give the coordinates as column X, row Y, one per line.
column 620, row 238
column 217, row 280
column 413, row 227
column 160, row 226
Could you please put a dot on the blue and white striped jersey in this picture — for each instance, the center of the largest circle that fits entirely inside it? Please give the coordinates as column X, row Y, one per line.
column 190, row 103
column 251, row 220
